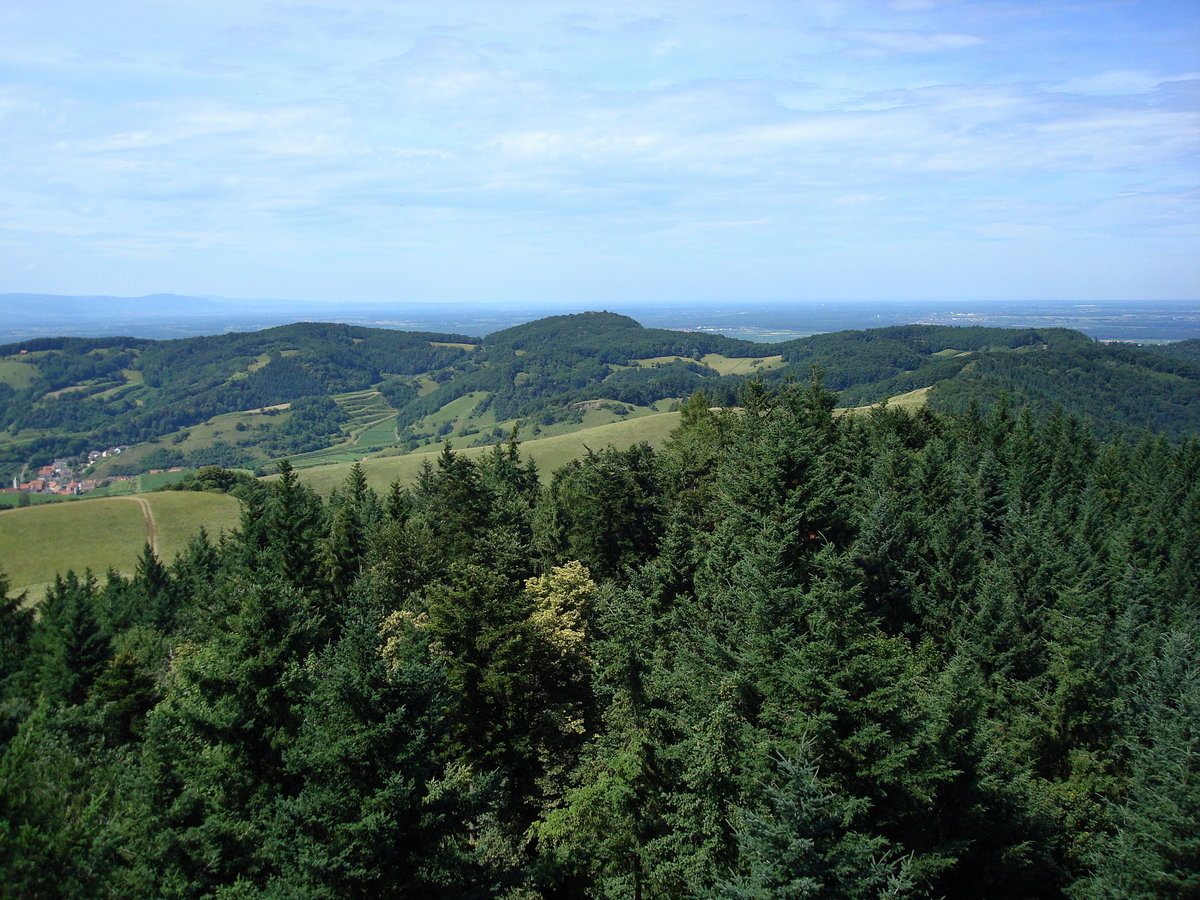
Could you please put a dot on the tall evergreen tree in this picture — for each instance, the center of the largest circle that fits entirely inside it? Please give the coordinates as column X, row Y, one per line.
column 16, row 628
column 1155, row 851
column 802, row 846
column 69, row 645
column 215, row 746
column 379, row 810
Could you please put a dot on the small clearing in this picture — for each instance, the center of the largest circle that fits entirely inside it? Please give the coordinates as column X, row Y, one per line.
column 722, row 365
column 909, row 401
column 460, row 346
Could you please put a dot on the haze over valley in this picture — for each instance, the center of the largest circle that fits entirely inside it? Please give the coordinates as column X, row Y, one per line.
column 161, row 316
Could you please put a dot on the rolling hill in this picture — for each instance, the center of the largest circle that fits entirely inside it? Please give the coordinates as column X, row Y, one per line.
column 321, row 393
column 326, row 396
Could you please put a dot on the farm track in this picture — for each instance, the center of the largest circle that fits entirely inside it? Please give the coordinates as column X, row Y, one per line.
column 151, row 524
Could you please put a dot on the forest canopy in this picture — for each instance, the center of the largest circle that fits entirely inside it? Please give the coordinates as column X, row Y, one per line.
column 791, row 654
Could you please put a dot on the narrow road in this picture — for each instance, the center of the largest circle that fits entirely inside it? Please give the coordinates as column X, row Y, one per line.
column 151, row 525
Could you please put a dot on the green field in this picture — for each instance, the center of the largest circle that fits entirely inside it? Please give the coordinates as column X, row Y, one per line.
column 381, row 434
column 224, row 427
column 372, row 419
column 342, row 453
column 549, row 453
column 179, row 515
column 910, row 401
column 722, row 365
column 601, row 428
column 16, row 374
column 371, row 425
column 651, row 361
column 100, row 534
column 14, row 500
column 153, row 482
column 726, row 365
column 458, row 412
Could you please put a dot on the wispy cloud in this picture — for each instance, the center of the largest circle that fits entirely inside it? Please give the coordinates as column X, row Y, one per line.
column 912, row 41
column 319, row 132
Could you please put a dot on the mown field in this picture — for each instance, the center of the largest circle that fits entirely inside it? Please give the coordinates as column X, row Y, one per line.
column 104, row 533
column 724, row 365
column 99, row 534
column 16, row 374
column 549, row 453
column 909, row 401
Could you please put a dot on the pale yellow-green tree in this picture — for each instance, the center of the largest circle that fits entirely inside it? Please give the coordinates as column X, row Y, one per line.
column 560, row 600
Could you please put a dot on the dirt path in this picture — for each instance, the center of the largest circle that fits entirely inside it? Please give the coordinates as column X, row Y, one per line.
column 151, row 525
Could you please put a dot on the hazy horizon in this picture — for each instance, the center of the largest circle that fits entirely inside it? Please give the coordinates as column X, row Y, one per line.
column 28, row 316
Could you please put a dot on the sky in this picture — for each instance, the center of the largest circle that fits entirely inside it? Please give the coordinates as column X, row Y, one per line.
column 543, row 152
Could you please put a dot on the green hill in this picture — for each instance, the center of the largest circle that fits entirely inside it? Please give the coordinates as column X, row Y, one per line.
column 321, row 393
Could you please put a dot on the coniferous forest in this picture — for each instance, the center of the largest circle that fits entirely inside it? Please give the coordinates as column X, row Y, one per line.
column 791, row 654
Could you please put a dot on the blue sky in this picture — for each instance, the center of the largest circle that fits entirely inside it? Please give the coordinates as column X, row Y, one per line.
column 558, row 152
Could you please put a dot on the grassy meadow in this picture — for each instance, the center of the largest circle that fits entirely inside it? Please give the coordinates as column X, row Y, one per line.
column 723, row 365
column 180, row 514
column 103, row 533
column 16, row 374
column 549, row 452
column 38, row 541
column 910, row 401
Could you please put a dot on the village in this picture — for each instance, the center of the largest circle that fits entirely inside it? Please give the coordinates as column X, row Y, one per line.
column 64, row 477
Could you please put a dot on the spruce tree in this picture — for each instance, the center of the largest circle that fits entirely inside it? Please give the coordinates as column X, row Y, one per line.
column 69, row 645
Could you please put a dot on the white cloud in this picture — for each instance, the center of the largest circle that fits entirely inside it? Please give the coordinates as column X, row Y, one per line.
column 1119, row 83
column 912, row 41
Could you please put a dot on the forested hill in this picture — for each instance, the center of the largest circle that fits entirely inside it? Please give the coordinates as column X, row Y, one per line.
column 1188, row 351
column 792, row 654
column 613, row 338
column 67, row 395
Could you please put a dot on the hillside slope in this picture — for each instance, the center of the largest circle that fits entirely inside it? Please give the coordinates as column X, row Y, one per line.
column 336, row 392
